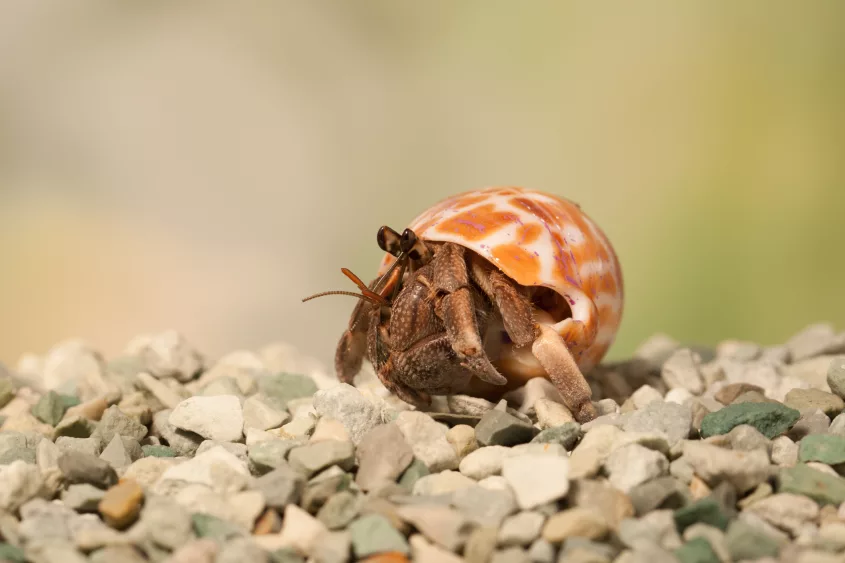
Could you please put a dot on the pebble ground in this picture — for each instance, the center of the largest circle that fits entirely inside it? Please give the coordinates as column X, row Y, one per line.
column 708, row 456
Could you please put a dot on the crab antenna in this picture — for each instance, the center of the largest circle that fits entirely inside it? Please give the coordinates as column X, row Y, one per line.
column 349, row 293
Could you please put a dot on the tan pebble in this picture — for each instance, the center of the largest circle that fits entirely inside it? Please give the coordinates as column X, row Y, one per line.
column 92, row 410
column 329, row 429
column 135, row 405
column 698, row 488
column 198, row 551
column 574, row 522
column 121, row 504
column 268, row 523
column 462, row 438
column 25, row 422
column 829, row 514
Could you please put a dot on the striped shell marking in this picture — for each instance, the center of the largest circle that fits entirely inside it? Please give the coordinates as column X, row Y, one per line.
column 538, row 239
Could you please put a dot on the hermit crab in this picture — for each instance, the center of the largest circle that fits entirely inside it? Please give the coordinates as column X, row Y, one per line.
column 483, row 291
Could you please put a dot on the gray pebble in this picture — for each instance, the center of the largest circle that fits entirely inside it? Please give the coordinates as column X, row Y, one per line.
column 239, row 550
column 442, row 525
column 89, row 446
column 383, row 455
column 836, row 375
column 521, row 529
column 115, row 422
column 117, row 554
column 78, row 467
column 497, row 428
column 281, row 388
column 339, row 510
column 346, row 404
column 333, row 547
column 567, row 435
column 314, row 457
column 83, row 497
column 281, row 486
column 485, row 507
column 681, row 371
column 266, row 456
column 182, row 442
column 669, row 418
column 372, row 534
column 167, row 523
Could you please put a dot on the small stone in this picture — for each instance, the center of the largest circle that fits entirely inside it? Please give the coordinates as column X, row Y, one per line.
column 314, row 457
column 654, row 528
column 82, row 498
column 462, row 438
column 444, row 526
column 485, row 462
column 300, row 427
column 814, row 399
column 182, row 442
column 810, row 423
column 483, row 506
column 11, row 553
column 168, row 524
column 117, row 455
column 771, row 419
column 270, row 522
column 633, row 465
column 258, row 414
column 19, row 482
column 836, row 375
column 121, row 504
column 281, row 486
column 678, row 396
column 166, row 395
column 208, row 526
column 784, row 451
column 541, row 551
column 747, row 438
column 587, row 458
column 427, row 439
column 826, row 448
column 521, row 529
column 660, row 493
column 220, row 386
column 412, row 474
column 730, row 392
column 465, row 404
column 551, row 413
column 696, row 550
column 425, row 552
column 656, row 350
column 743, row 469
column 803, row 480
column 84, row 468
column 92, row 410
column 739, row 351
column 328, row 428
column 50, row 408
column 372, row 534
column 815, row 340
column 481, row 544
column 158, row 451
column 441, row 483
column 566, row 435
column 383, row 455
column 346, row 404
column 241, row 549
column 746, row 543
column 574, row 522
column 669, row 418
column 705, row 511
column 167, row 354
column 537, row 479
column 268, row 455
column 644, row 395
column 681, row 370
column 786, row 511
column 300, row 531
column 332, row 547
column 207, row 468
column 89, row 446
column 497, row 428
column 339, row 510
column 75, row 426
column 280, row 388
column 218, row 417
column 116, row 422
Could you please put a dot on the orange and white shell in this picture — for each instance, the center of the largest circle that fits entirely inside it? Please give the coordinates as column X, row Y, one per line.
column 539, row 239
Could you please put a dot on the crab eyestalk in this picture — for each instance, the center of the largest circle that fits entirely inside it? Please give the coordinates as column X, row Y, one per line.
column 414, row 247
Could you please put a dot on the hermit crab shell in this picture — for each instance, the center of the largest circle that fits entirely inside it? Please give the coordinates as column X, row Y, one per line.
column 539, row 240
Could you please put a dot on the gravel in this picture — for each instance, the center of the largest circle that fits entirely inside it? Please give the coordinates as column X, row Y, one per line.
column 724, row 455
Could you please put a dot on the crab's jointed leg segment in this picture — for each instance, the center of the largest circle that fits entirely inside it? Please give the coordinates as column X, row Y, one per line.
column 352, row 347
column 456, row 309
column 551, row 351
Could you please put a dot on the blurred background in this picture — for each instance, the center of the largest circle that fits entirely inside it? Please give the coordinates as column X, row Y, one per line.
column 205, row 165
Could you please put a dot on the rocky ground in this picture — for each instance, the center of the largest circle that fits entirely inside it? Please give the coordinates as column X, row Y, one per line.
column 724, row 455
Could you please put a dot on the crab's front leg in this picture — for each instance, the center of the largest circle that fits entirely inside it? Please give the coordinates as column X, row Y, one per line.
column 352, row 347
column 547, row 346
column 455, row 308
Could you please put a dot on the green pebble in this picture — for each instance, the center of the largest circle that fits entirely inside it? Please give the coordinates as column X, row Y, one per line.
column 372, row 534
column 208, row 526
column 413, row 473
column 804, row 480
column 9, row 552
column 280, row 388
column 705, row 511
column 157, row 451
column 747, row 543
column 771, row 419
column 69, row 401
column 697, row 550
column 7, row 390
column 566, row 435
column 50, row 408
column 826, row 448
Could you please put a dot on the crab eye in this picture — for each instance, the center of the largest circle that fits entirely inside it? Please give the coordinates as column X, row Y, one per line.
column 409, row 239
column 389, row 240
